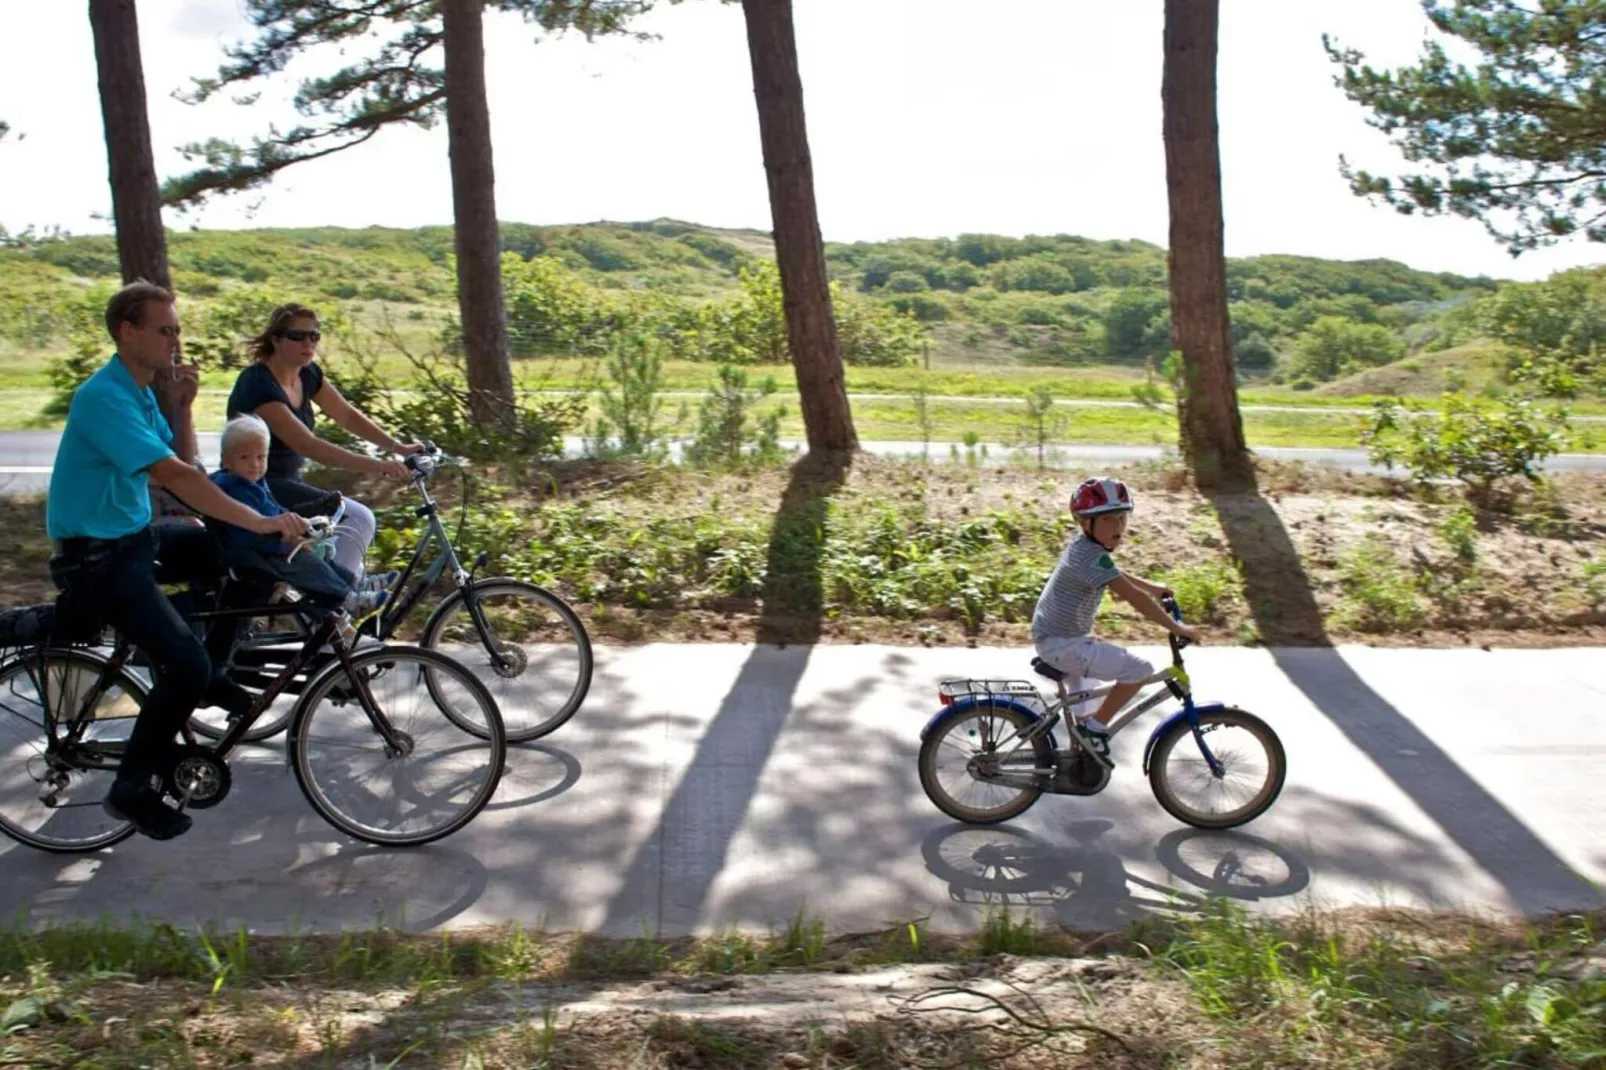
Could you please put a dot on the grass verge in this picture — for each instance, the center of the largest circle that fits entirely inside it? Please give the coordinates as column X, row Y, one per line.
column 1359, row 989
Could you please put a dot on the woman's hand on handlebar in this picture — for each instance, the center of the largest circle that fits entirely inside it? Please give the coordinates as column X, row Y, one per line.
column 393, row 469
column 407, row 449
column 1186, row 631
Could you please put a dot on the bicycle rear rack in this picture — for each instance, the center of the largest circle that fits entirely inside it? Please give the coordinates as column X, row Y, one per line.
column 991, row 692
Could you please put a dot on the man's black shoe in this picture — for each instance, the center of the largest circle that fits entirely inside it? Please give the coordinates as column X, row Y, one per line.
column 141, row 806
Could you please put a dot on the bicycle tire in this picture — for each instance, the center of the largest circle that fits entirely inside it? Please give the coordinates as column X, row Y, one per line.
column 518, row 731
column 374, row 662
column 132, row 687
column 1166, row 794
column 931, row 748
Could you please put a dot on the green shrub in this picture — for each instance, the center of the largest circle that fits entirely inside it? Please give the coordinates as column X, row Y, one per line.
column 1477, row 441
column 629, row 425
column 1332, row 347
column 89, row 346
column 1204, row 590
column 1379, row 595
column 730, row 432
column 1459, row 529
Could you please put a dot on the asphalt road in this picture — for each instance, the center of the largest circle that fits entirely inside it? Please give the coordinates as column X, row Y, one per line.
column 26, row 456
column 703, row 786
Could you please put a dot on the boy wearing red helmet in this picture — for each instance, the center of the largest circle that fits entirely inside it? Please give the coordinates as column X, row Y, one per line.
column 1062, row 625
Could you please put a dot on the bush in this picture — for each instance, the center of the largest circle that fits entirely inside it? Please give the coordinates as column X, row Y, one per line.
column 1334, row 347
column 1204, row 590
column 1555, row 330
column 631, row 405
column 729, row 430
column 1253, row 353
column 1460, row 530
column 1477, row 441
column 89, row 348
column 550, row 310
column 438, row 409
column 1379, row 595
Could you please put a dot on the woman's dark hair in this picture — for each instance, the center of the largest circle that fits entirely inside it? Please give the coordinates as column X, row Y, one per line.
column 279, row 322
column 128, row 304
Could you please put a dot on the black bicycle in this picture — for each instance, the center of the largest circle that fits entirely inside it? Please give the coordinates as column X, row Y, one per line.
column 522, row 641
column 372, row 748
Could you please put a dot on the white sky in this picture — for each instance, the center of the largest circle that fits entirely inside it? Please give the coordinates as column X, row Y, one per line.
column 924, row 120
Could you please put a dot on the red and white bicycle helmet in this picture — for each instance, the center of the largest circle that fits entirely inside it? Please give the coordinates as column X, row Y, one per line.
column 1100, row 495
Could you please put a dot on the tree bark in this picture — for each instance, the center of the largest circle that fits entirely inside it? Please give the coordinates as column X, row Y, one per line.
column 799, row 250
column 477, row 235
column 136, row 198
column 1207, row 398
column 136, row 205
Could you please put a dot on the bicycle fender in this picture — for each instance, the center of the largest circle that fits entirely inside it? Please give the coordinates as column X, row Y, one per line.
column 963, row 706
column 1180, row 715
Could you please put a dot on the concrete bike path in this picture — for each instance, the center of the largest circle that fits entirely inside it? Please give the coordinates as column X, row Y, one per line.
column 703, row 786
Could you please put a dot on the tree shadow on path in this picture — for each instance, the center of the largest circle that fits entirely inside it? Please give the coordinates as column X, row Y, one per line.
column 668, row 880
column 1290, row 622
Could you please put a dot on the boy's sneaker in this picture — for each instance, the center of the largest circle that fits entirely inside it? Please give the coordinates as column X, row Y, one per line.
column 142, row 806
column 362, row 604
column 379, row 581
column 1097, row 733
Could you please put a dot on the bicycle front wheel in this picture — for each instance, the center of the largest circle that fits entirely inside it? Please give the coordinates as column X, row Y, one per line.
column 1252, row 769
column 435, row 779
column 543, row 668
column 52, row 779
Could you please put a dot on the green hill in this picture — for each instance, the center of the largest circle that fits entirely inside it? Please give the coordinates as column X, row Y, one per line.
column 980, row 299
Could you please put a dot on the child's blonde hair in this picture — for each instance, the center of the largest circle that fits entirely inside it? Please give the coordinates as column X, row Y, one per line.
column 243, row 428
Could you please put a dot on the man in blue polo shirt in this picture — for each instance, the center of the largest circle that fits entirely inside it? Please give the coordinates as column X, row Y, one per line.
column 116, row 443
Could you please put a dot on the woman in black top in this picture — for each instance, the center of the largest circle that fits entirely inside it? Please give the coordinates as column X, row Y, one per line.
column 281, row 387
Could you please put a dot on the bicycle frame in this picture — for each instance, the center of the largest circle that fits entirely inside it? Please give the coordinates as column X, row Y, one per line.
column 392, row 614
column 1177, row 686
column 326, row 633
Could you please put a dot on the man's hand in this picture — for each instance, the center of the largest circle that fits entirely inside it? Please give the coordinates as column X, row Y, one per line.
column 287, row 526
column 185, row 382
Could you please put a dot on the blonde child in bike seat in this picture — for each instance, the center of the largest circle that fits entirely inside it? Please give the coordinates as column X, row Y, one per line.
column 245, row 463
column 1062, row 625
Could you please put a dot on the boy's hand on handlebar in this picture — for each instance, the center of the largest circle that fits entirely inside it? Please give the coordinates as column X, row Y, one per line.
column 285, row 525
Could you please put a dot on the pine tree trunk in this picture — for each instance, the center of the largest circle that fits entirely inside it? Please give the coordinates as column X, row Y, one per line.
column 1211, row 427
column 136, row 204
column 477, row 235
column 799, row 250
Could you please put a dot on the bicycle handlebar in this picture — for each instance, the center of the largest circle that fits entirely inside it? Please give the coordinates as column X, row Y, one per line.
column 320, row 529
column 424, row 464
column 1169, row 604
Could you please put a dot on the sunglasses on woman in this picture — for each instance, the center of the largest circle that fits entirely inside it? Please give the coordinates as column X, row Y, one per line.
column 297, row 335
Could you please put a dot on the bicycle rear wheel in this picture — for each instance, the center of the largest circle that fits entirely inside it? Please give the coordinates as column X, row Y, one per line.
column 961, row 759
column 435, row 783
column 545, row 668
column 52, row 786
column 1252, row 762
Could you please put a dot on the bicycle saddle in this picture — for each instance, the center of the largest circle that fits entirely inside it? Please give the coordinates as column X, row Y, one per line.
column 1043, row 668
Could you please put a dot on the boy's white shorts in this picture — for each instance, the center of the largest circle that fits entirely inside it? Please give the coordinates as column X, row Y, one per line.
column 1084, row 658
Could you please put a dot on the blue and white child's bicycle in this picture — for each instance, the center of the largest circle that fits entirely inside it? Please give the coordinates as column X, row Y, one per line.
column 990, row 753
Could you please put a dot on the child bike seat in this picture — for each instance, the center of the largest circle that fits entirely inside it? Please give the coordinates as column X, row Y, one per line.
column 1043, row 668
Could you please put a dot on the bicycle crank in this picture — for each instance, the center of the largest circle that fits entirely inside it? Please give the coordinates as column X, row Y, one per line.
column 199, row 779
